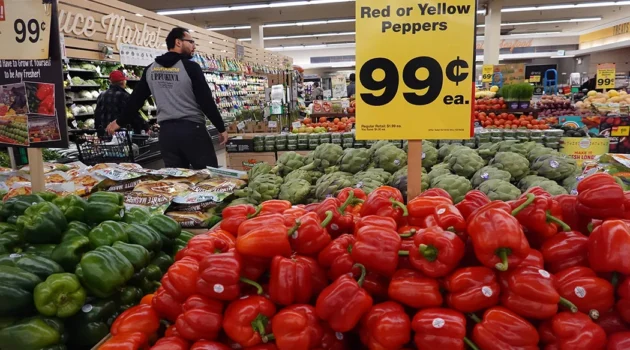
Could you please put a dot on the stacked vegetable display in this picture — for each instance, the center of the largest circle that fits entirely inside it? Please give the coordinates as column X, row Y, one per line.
column 367, row 271
column 69, row 266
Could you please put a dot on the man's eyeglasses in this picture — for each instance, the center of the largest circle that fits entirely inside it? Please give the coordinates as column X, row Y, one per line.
column 188, row 40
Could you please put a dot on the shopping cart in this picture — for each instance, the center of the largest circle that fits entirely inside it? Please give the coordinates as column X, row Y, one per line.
column 96, row 146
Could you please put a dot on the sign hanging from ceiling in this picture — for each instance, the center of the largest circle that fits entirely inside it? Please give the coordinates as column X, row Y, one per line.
column 416, row 63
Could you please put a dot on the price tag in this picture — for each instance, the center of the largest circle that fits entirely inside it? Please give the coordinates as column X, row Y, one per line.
column 620, row 131
column 24, row 25
column 534, row 78
column 487, row 72
column 272, row 124
column 240, row 126
column 296, row 125
column 421, row 82
column 605, row 76
column 345, row 104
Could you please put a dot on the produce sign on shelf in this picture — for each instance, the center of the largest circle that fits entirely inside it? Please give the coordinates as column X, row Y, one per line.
column 605, row 76
column 487, row 73
column 584, row 149
column 32, row 103
column 423, row 91
column 25, row 27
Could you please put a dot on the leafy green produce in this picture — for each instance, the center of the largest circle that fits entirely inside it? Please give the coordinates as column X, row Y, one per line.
column 514, row 163
column 489, row 173
column 554, row 167
column 464, row 162
column 354, row 160
column 457, row 186
column 501, row 190
column 295, row 191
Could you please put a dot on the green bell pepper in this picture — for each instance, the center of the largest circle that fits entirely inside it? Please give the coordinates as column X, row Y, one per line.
column 144, row 236
column 15, row 206
column 6, row 227
column 180, row 242
column 72, row 206
column 69, row 252
column 11, row 241
column 43, row 250
column 107, row 197
column 37, row 265
column 47, row 196
column 137, row 215
column 104, row 206
column 137, row 255
column 89, row 326
column 60, row 295
column 32, row 334
column 7, row 321
column 76, row 228
column 163, row 261
column 165, row 226
column 103, row 270
column 42, row 223
column 16, row 290
column 129, row 296
column 106, row 233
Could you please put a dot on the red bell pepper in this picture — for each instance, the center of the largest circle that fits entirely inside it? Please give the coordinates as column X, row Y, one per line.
column 375, row 220
column 355, row 205
column 568, row 205
column 44, row 90
column 234, row 216
column 436, row 192
column 623, row 303
column 292, row 214
column 403, row 260
column 47, row 105
column 531, row 293
column 572, row 331
column 438, row 328
column 436, row 252
column 219, row 276
column 310, row 236
column 619, row 341
column 246, row 321
column 423, row 206
column 201, row 319
column 126, row 341
column 208, row 345
column 534, row 258
column 344, row 302
column 332, row 340
column 223, row 240
column 274, row 206
column 147, row 299
column 166, row 305
column 140, row 318
column 611, row 322
column 339, row 222
column 181, row 279
column 291, row 280
column 580, row 285
column 202, row 245
column 261, row 221
column 472, row 289
column 609, row 247
column 174, row 343
column 447, row 217
column 502, row 329
column 497, row 237
column 564, row 250
column 377, row 249
column 385, row 201
column 376, row 285
column 386, row 326
column 266, row 242
column 600, row 197
column 297, row 327
column 542, row 216
column 171, row 331
column 473, row 200
column 415, row 290
column 269, row 346
column 408, row 231
column 254, row 267
column 336, row 256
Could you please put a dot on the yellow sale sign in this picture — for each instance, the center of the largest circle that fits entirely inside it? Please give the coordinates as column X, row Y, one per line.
column 605, row 76
column 487, row 71
column 416, row 66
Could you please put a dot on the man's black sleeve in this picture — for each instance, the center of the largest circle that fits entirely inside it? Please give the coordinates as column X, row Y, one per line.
column 203, row 95
column 140, row 94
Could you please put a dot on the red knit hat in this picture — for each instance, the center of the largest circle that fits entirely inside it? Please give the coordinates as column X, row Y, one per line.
column 116, row 76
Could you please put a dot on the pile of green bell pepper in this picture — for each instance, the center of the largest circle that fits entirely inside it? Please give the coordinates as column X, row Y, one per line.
column 16, row 206
column 34, row 333
column 37, row 265
column 42, row 223
column 61, row 295
column 103, row 270
column 72, row 206
column 106, row 233
column 16, row 291
column 104, row 206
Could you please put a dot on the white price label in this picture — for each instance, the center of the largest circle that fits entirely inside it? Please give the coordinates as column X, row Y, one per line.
column 25, row 29
column 240, row 126
column 345, row 104
column 272, row 124
column 296, row 125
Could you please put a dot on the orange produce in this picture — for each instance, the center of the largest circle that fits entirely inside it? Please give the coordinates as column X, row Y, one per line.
column 307, row 120
column 323, row 119
column 344, row 119
column 336, row 120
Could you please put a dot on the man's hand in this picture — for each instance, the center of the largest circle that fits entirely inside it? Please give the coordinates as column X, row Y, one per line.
column 112, row 127
column 223, row 138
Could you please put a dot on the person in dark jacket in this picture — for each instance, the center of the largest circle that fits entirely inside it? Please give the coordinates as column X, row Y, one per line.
column 351, row 86
column 111, row 103
column 183, row 100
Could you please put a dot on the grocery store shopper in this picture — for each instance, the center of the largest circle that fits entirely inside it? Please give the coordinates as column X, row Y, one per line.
column 111, row 103
column 351, row 88
column 317, row 93
column 183, row 100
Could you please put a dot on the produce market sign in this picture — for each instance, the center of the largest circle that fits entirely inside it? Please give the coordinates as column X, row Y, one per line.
column 416, row 64
column 605, row 76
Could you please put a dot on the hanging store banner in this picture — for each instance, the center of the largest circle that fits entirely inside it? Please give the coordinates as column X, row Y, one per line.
column 416, row 64
column 605, row 76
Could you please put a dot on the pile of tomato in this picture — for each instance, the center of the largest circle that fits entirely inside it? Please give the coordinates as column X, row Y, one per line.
column 509, row 121
column 337, row 124
column 490, row 104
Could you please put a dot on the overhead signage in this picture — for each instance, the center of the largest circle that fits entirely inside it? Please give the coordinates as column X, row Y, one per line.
column 605, row 76
column 415, row 91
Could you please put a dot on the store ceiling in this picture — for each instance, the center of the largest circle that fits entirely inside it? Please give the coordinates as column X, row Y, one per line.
column 217, row 14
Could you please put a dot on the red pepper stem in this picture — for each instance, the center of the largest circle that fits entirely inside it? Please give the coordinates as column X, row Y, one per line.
column 474, row 317
column 255, row 214
column 555, row 220
column 252, row 283
column 268, row 337
column 396, row 203
column 258, row 324
column 345, row 204
column 363, row 273
column 403, row 253
column 329, row 216
column 294, row 228
column 408, row 234
column 470, row 343
column 530, row 199
column 503, row 254
column 428, row 251
column 590, row 227
column 568, row 304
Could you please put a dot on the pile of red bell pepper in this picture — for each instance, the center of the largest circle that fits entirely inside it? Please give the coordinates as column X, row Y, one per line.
column 370, row 272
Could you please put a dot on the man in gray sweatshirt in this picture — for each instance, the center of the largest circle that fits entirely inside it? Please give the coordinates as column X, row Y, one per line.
column 183, row 100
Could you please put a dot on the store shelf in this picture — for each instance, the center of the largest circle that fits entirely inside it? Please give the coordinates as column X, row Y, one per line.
column 84, row 115
column 79, row 70
column 333, row 115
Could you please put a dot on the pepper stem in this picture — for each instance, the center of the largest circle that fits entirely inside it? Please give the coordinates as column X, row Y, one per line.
column 470, row 343
column 396, row 203
column 503, row 254
column 474, row 317
column 252, row 283
column 530, row 199
column 428, row 251
column 403, row 253
column 349, row 249
column 594, row 314
column 363, row 273
column 408, row 234
column 255, row 214
column 258, row 324
column 345, row 204
column 568, row 304
column 295, row 227
column 555, row 220
column 590, row 227
column 329, row 216
column 268, row 337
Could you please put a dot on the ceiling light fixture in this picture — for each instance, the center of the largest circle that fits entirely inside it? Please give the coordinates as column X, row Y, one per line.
column 561, row 6
column 572, row 20
column 285, row 24
column 301, row 36
column 311, row 47
column 249, row 7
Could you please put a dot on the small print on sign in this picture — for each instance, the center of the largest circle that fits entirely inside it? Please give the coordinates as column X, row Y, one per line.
column 272, row 124
column 296, row 125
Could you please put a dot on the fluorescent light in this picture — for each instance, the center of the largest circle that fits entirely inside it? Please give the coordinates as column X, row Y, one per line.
column 249, row 7
column 216, row 29
column 311, row 47
column 533, row 34
column 286, row 24
column 565, row 6
column 586, row 19
column 139, row 15
column 302, row 36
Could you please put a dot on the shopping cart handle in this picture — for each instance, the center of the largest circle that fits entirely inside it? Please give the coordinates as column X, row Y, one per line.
column 91, row 131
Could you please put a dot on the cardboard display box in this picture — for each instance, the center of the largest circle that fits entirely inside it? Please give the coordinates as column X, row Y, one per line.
column 245, row 161
column 239, row 145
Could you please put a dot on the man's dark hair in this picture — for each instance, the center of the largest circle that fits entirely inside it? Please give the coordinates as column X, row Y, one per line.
column 352, row 77
column 176, row 33
column 316, row 84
